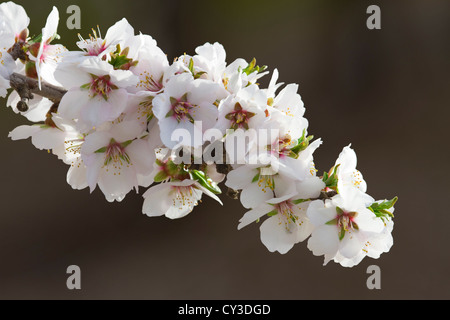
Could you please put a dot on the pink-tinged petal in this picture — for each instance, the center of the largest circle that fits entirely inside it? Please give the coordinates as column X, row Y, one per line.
column 67, row 71
column 310, row 188
column 207, row 192
column 16, row 20
column 126, row 130
column 254, row 214
column 183, row 203
column 352, row 199
column 48, row 138
column 95, row 141
column 119, row 32
column 99, row 110
column 23, row 132
column 283, row 185
column 276, row 237
column 48, row 32
column 96, row 66
column 254, row 194
column 168, row 127
column 324, row 241
column 305, row 227
column 240, row 177
column 347, row 160
column 368, row 222
column 48, row 66
column 123, row 78
column 205, row 91
column 4, row 86
column 352, row 244
column 178, row 85
column 142, row 157
column 161, row 106
column 72, row 103
column 38, row 107
column 206, row 113
column 51, row 26
column 76, row 175
column 94, row 163
column 157, row 200
column 320, row 213
column 116, row 183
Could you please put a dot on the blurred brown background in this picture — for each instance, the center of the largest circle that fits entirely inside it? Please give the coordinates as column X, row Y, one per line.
column 385, row 91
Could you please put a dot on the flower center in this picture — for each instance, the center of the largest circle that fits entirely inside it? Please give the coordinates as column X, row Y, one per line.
column 100, row 86
column 94, row 46
column 181, row 109
column 115, row 154
column 286, row 215
column 239, row 117
column 281, row 148
column 183, row 197
column 345, row 221
column 265, row 181
column 148, row 83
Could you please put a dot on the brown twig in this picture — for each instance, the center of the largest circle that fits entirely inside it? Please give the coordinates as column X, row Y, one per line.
column 26, row 87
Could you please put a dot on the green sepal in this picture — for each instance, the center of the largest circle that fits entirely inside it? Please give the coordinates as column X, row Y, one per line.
column 170, row 113
column 332, row 222
column 299, row 201
column 101, row 150
column 35, row 39
column 341, row 233
column 85, row 86
column 120, row 61
column 160, row 176
column 302, row 144
column 273, row 213
column 196, row 75
column 126, row 143
column 256, row 177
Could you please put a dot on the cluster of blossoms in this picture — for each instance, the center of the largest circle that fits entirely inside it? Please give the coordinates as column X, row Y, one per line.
column 127, row 118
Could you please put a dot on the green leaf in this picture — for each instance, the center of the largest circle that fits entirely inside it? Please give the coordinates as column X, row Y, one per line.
column 205, row 181
column 385, row 204
column 381, row 209
column 252, row 67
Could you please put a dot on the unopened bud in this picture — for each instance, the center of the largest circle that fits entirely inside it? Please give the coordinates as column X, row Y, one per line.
column 22, row 106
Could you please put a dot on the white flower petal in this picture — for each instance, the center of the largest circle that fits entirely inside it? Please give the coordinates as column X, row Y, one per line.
column 254, row 214
column 276, row 237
